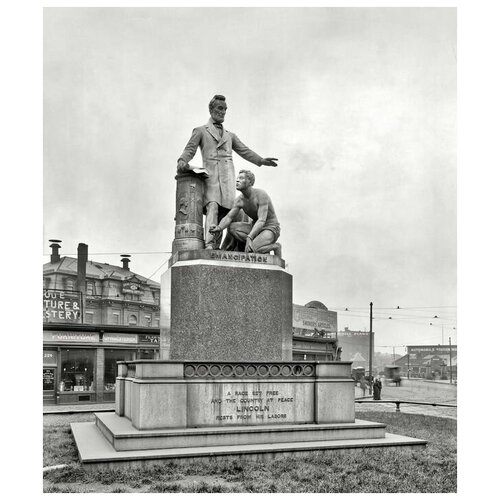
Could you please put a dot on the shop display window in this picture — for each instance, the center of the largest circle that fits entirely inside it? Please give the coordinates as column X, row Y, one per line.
column 77, row 370
column 111, row 356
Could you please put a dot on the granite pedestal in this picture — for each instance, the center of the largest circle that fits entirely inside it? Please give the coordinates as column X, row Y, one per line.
column 232, row 306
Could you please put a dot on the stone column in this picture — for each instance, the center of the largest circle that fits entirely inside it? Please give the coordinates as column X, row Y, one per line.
column 188, row 213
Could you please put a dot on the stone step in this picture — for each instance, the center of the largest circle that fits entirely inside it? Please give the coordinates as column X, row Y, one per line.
column 95, row 451
column 120, row 432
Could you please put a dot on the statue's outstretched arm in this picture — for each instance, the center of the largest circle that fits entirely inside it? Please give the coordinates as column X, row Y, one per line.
column 245, row 152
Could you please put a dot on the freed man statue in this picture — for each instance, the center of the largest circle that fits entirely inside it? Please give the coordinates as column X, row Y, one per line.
column 217, row 144
column 260, row 235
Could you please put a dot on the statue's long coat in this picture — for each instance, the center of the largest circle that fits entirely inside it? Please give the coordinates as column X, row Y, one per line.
column 217, row 159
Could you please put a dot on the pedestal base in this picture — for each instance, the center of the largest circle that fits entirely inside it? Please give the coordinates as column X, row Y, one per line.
column 193, row 410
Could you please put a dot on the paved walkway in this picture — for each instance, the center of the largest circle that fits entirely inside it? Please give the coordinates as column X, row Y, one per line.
column 90, row 408
column 435, row 411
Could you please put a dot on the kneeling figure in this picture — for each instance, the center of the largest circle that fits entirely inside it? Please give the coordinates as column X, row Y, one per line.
column 259, row 235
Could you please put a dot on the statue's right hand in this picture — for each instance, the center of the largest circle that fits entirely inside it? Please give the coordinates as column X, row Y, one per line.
column 270, row 162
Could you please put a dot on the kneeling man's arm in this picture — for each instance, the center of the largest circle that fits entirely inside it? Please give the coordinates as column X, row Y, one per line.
column 226, row 221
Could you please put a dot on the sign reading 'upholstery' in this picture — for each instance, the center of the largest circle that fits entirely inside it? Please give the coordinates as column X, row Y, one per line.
column 61, row 306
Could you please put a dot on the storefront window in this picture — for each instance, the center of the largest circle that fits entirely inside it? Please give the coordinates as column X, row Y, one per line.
column 77, row 370
column 111, row 356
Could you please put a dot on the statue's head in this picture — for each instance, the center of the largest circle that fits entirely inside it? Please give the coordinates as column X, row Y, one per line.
column 245, row 179
column 217, row 108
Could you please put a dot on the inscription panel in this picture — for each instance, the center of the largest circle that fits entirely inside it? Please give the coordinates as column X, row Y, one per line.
column 250, row 403
column 226, row 256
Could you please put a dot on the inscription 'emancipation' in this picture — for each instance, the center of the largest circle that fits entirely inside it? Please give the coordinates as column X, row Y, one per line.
column 251, row 403
column 241, row 257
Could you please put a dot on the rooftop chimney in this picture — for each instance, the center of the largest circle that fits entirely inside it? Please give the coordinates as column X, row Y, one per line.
column 55, row 257
column 83, row 254
column 125, row 261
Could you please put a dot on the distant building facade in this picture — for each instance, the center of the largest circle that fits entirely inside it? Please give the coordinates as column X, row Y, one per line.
column 355, row 346
column 94, row 314
column 430, row 361
column 110, row 295
column 314, row 333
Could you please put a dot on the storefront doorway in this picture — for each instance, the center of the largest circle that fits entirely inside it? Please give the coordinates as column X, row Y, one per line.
column 49, row 386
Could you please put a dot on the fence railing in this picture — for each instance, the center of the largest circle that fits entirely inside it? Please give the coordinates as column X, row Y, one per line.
column 399, row 402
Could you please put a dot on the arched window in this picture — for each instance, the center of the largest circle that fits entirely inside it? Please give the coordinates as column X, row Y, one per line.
column 132, row 319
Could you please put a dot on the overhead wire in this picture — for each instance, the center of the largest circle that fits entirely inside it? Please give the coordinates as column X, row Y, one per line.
column 162, row 264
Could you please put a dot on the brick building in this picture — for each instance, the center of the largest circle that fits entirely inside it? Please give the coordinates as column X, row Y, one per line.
column 94, row 314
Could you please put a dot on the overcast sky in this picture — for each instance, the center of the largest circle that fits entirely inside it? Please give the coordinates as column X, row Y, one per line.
column 359, row 105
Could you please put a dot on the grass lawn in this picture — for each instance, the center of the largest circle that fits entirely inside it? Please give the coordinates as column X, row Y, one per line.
column 433, row 470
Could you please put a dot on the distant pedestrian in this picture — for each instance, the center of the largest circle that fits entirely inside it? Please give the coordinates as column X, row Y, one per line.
column 362, row 384
column 377, row 389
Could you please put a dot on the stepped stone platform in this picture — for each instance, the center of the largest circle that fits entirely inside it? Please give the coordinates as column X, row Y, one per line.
column 95, row 451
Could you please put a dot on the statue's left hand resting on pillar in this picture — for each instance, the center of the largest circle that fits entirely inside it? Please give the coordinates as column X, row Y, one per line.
column 217, row 144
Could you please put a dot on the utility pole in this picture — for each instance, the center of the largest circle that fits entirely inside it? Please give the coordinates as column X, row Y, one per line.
column 451, row 368
column 370, row 385
column 408, row 354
